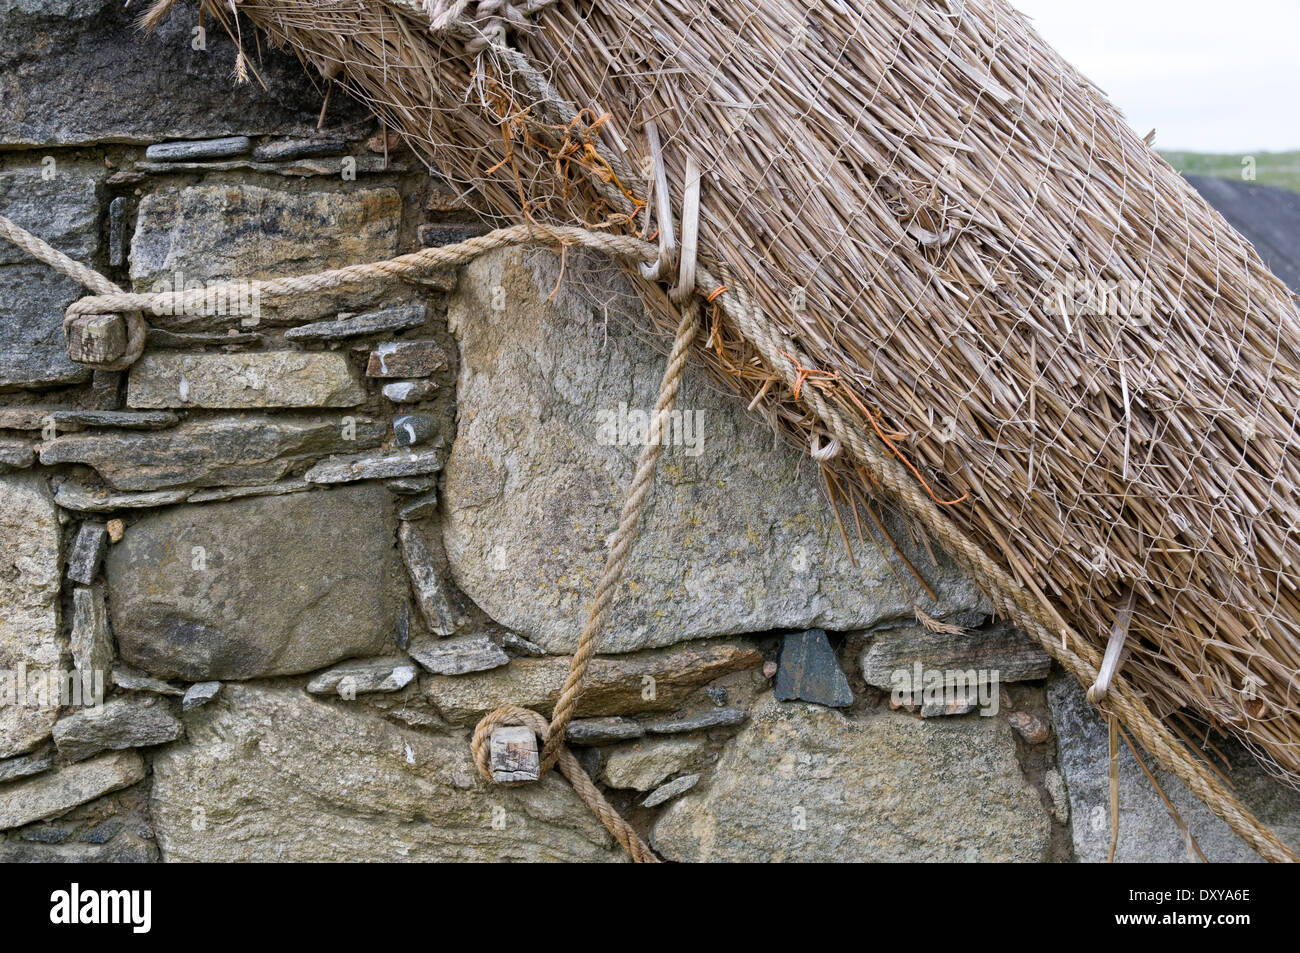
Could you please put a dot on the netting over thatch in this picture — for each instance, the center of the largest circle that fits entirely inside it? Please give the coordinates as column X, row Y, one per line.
column 1070, row 350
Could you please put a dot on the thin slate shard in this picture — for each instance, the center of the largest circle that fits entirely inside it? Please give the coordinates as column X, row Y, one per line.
column 808, row 671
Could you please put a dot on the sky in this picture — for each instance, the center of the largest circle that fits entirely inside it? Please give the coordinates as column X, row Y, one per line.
column 1208, row 77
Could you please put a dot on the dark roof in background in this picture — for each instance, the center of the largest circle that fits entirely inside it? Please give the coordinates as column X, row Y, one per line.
column 1269, row 217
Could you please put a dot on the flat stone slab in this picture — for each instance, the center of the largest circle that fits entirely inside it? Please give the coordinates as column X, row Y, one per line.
column 695, row 721
column 431, row 595
column 25, row 765
column 121, row 419
column 599, row 731
column 87, row 552
column 198, row 694
column 245, row 450
column 737, row 536
column 666, row 792
column 369, row 675
column 376, row 466
column 30, row 642
column 251, row 379
column 72, row 495
column 162, row 340
column 458, row 656
column 408, row 392
column 420, row 507
column 91, row 642
column 517, row 646
column 26, row 417
column 298, row 149
column 132, row 722
column 362, row 789
column 615, row 685
column 809, row 671
column 387, row 320
column 57, row 792
column 198, row 149
column 133, row 680
column 807, row 783
column 995, row 654
column 219, row 493
column 644, row 765
column 406, row 359
column 252, row 588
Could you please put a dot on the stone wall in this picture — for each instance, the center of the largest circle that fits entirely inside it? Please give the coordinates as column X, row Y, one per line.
column 300, row 549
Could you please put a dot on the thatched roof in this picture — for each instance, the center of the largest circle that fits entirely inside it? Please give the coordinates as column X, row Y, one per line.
column 1071, row 351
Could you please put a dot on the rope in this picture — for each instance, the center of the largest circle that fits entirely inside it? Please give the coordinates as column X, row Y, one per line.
column 60, row 262
column 628, row 523
column 480, row 745
column 416, row 263
column 1023, row 603
column 136, row 328
column 552, row 735
column 488, row 24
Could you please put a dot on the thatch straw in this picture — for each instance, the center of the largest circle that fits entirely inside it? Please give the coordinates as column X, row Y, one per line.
column 917, row 191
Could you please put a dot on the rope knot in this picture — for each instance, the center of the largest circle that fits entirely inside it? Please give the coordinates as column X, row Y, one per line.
column 502, row 717
column 489, row 22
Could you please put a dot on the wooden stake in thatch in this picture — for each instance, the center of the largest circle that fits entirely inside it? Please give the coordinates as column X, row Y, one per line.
column 959, row 250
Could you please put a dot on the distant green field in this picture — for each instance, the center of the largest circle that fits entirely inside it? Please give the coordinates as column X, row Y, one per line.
column 1271, row 168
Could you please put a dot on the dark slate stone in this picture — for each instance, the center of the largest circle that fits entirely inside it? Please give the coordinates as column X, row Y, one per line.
column 106, row 389
column 388, row 320
column 410, row 429
column 298, row 149
column 403, row 625
column 199, row 149
column 411, row 486
column 102, row 833
column 123, row 419
column 116, row 232
column 459, row 655
column 25, row 765
column 808, row 671
column 517, row 646
column 87, row 553
column 697, row 721
column 57, row 203
column 419, row 507
column 433, row 235
column 199, row 694
column 67, row 68
column 599, row 731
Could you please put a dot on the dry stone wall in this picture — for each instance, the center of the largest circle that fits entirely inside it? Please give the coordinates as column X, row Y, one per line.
column 256, row 591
